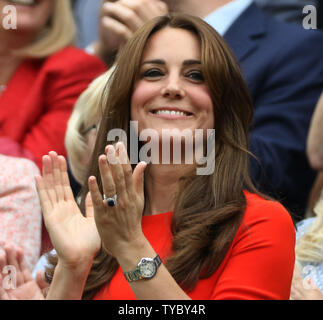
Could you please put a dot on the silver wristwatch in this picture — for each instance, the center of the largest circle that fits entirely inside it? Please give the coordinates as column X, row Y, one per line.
column 146, row 269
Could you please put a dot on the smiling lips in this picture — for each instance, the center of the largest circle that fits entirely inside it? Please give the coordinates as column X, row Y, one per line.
column 170, row 113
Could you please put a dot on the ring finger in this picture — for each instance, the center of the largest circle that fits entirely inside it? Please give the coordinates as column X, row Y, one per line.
column 117, row 172
column 108, row 185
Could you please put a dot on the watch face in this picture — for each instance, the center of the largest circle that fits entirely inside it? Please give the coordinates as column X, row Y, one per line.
column 147, row 268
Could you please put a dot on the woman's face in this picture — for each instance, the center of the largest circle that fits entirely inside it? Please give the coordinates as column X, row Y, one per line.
column 170, row 92
column 32, row 15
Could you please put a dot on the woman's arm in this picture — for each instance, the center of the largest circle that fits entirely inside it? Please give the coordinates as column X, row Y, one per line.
column 75, row 237
column 69, row 281
column 120, row 226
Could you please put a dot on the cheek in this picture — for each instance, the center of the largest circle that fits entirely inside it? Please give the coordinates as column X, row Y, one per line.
column 202, row 101
column 143, row 93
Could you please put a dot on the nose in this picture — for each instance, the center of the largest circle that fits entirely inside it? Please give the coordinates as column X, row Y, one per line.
column 173, row 89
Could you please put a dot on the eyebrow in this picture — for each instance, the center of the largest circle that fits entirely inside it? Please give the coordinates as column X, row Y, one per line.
column 162, row 62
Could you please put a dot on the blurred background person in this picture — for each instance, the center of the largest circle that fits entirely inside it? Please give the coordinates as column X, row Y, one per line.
column 308, row 273
column 83, row 125
column 307, row 281
column 41, row 76
column 286, row 10
column 87, row 15
column 20, row 212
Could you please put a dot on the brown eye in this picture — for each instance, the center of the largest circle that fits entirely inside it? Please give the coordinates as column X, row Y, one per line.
column 196, row 76
column 152, row 73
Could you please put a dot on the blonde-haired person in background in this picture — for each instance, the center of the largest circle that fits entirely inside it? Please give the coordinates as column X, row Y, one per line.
column 39, row 63
column 42, row 75
column 83, row 125
column 308, row 275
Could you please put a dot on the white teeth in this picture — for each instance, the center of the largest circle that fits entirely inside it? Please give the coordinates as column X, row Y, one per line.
column 173, row 113
column 25, row 2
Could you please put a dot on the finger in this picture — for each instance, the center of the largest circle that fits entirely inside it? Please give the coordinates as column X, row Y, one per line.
column 123, row 14
column 116, row 27
column 157, row 8
column 3, row 263
column 48, row 178
column 44, row 199
column 26, row 274
column 96, row 196
column 68, row 193
column 108, row 185
column 11, row 254
column 41, row 280
column 89, row 209
column 3, row 259
column 140, row 7
column 127, row 169
column 57, row 176
column 162, row 7
column 3, row 294
column 139, row 177
column 117, row 172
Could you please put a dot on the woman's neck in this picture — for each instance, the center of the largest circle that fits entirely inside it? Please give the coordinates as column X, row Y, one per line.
column 161, row 187
column 9, row 61
column 8, row 65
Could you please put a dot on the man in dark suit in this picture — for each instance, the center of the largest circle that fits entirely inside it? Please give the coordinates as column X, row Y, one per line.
column 283, row 67
column 286, row 10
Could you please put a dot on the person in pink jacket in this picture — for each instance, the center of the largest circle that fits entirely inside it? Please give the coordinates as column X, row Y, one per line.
column 20, row 212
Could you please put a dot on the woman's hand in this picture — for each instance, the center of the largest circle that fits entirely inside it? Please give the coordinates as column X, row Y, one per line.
column 74, row 236
column 119, row 226
column 18, row 283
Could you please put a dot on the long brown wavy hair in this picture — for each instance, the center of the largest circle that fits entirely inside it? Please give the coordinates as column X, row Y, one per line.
column 209, row 208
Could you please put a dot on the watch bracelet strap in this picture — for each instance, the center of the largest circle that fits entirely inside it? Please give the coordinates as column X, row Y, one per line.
column 158, row 260
column 135, row 275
